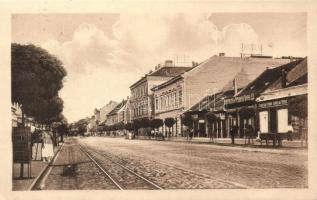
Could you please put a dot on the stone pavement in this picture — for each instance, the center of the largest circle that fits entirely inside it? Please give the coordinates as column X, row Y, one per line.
column 227, row 142
column 173, row 165
column 37, row 166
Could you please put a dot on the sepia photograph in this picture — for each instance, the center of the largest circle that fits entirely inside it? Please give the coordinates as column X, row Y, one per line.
column 169, row 101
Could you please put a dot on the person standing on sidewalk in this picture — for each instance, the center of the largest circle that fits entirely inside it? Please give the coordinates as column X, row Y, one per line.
column 47, row 147
column 233, row 131
column 191, row 133
column 290, row 131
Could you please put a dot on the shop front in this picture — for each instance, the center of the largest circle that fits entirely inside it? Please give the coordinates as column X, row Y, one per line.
column 241, row 112
column 283, row 111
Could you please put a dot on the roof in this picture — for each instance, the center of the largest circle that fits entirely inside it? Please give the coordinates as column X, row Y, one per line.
column 169, row 71
column 166, row 83
column 220, row 71
column 207, row 102
column 117, row 108
column 283, row 93
column 268, row 78
column 164, row 72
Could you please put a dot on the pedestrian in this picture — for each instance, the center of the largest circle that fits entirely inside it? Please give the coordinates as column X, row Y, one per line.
column 233, row 131
column 250, row 133
column 290, row 131
column 191, row 133
column 152, row 134
column 47, row 147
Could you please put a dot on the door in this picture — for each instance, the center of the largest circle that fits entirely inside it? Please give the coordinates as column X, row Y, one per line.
column 282, row 120
column 273, row 120
column 264, row 121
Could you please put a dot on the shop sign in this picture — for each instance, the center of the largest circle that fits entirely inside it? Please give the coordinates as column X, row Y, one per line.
column 201, row 121
column 240, row 99
column 21, row 139
column 273, row 103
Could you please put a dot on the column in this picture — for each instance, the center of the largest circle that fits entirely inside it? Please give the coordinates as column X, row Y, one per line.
column 221, row 131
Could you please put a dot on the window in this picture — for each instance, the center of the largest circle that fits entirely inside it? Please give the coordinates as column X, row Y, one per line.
column 180, row 97
column 156, row 103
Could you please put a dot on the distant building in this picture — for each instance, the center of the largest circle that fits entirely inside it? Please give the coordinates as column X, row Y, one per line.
column 141, row 101
column 105, row 110
column 116, row 115
column 127, row 112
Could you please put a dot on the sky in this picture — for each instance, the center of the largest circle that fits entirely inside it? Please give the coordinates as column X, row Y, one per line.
column 106, row 53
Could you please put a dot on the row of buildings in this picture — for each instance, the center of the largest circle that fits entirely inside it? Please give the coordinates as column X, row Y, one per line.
column 225, row 86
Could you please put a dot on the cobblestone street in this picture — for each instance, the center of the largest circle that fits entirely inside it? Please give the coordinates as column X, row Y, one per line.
column 142, row 164
column 181, row 165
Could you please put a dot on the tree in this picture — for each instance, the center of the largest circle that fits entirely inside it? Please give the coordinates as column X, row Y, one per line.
column 137, row 125
column 211, row 118
column 129, row 126
column 119, row 126
column 187, row 120
column 82, row 129
column 156, row 123
column 37, row 76
column 297, row 106
column 144, row 123
column 99, row 129
column 169, row 122
column 63, row 130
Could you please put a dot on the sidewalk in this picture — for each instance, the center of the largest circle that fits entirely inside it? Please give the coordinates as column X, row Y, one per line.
column 287, row 146
column 238, row 142
column 37, row 166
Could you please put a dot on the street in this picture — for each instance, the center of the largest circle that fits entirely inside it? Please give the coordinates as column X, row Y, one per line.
column 117, row 163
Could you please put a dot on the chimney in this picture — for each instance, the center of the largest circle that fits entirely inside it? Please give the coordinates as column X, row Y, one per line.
column 222, row 54
column 168, row 63
column 235, row 86
column 283, row 78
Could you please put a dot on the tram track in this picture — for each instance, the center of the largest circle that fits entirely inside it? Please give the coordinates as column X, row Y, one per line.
column 55, row 175
column 119, row 160
column 122, row 173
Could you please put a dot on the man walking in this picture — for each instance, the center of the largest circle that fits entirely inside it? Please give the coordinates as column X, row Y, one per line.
column 233, row 131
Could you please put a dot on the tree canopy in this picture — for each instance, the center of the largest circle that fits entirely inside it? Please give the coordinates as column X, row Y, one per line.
column 37, row 77
column 169, row 122
column 187, row 119
column 156, row 123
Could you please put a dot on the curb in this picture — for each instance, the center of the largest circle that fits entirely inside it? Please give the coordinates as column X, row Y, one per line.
column 44, row 171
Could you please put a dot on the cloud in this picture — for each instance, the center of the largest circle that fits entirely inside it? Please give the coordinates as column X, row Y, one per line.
column 102, row 67
column 88, row 47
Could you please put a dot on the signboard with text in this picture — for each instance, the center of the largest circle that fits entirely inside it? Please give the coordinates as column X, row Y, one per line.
column 21, row 139
column 275, row 103
column 240, row 99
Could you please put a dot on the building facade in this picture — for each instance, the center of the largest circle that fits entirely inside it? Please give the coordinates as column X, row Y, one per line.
column 106, row 109
column 116, row 115
column 178, row 95
column 272, row 82
column 142, row 101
